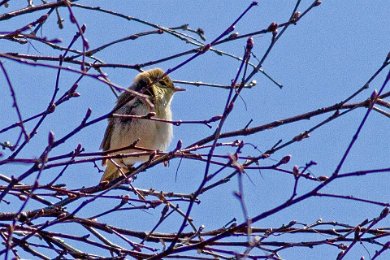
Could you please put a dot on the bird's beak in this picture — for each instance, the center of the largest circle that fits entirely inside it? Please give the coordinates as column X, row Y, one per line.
column 177, row 89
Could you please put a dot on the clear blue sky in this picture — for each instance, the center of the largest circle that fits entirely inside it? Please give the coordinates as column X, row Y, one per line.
column 322, row 60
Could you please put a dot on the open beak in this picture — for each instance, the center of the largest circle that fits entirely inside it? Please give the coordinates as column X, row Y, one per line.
column 177, row 89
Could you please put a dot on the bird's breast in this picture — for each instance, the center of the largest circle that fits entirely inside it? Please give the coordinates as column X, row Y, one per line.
column 151, row 134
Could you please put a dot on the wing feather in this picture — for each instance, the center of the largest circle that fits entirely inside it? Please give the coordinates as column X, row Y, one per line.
column 122, row 100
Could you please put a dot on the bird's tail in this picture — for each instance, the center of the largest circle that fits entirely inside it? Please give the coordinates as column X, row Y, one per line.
column 112, row 172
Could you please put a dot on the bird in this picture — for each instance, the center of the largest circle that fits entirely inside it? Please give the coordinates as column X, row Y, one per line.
column 150, row 94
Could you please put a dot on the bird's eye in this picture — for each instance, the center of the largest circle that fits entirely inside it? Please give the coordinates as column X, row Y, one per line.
column 163, row 83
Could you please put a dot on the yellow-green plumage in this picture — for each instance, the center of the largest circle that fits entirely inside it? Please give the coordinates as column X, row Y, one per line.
column 154, row 135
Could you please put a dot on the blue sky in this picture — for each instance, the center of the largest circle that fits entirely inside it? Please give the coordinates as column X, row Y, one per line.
column 321, row 61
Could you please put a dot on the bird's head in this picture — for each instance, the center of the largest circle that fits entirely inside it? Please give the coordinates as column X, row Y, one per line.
column 155, row 83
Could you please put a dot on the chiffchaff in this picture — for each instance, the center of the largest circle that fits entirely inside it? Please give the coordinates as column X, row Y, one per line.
column 157, row 90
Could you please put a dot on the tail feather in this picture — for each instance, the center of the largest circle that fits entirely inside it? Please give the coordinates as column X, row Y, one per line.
column 112, row 172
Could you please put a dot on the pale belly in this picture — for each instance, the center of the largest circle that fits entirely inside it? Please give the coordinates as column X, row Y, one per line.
column 152, row 135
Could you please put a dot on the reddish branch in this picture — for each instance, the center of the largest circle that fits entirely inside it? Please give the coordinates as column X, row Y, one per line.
column 39, row 209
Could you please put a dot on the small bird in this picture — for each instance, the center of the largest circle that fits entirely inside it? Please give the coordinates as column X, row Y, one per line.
column 156, row 91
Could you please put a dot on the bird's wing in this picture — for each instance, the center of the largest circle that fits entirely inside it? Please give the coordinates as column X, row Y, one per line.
column 105, row 145
column 122, row 100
